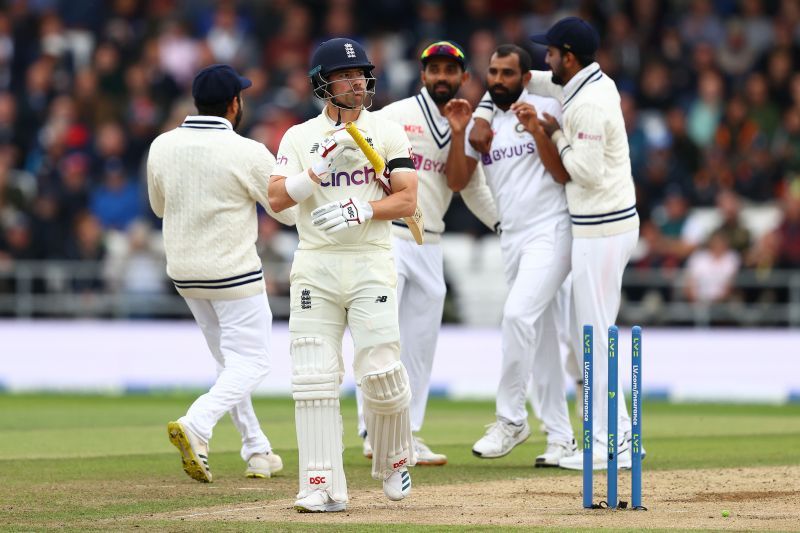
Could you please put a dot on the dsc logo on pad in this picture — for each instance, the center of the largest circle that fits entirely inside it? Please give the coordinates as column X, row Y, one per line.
column 400, row 463
column 317, row 480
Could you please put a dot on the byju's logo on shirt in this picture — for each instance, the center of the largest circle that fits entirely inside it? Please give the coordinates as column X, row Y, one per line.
column 508, row 152
column 423, row 163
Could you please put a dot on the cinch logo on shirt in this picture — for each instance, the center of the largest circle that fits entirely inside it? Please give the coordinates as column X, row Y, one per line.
column 505, row 153
column 357, row 177
column 423, row 163
column 589, row 136
column 281, row 160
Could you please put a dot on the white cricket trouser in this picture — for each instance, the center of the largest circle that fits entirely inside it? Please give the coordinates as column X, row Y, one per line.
column 597, row 267
column 568, row 346
column 420, row 296
column 238, row 334
column 536, row 266
column 331, row 290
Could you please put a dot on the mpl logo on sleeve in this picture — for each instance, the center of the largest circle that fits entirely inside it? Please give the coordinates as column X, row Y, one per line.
column 414, row 129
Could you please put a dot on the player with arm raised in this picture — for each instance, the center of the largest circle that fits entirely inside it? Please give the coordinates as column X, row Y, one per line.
column 536, row 244
column 343, row 275
column 593, row 147
column 435, row 122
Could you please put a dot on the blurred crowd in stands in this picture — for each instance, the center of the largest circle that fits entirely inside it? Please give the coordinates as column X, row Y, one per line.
column 710, row 88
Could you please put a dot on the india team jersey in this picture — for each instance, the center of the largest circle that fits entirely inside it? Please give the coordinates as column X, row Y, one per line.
column 527, row 197
column 429, row 133
column 351, row 176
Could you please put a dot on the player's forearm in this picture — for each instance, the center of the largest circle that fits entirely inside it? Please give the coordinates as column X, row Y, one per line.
column 399, row 204
column 457, row 170
column 548, row 153
column 279, row 198
column 480, row 202
column 542, row 84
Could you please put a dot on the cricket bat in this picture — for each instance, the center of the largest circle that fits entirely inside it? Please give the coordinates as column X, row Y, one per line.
column 414, row 222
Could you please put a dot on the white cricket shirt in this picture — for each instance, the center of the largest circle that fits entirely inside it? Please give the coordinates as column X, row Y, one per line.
column 429, row 134
column 351, row 176
column 593, row 146
column 204, row 180
column 528, row 198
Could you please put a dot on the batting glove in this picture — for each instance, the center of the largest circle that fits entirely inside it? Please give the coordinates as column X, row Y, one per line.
column 340, row 215
column 329, row 149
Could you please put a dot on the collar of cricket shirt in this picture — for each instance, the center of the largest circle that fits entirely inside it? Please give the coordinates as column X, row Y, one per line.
column 206, row 122
column 437, row 124
column 588, row 74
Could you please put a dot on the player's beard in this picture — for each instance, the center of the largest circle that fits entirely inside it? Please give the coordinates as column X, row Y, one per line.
column 502, row 96
column 238, row 118
column 442, row 97
column 557, row 76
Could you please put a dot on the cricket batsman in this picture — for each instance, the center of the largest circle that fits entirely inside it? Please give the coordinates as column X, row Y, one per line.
column 343, row 275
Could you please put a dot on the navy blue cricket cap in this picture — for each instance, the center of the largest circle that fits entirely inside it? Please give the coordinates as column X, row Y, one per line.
column 572, row 34
column 217, row 83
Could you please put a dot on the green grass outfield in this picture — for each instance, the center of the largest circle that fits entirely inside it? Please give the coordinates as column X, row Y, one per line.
column 104, row 462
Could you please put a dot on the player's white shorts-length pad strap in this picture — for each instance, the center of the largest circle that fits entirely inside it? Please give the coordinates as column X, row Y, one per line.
column 387, row 396
column 315, row 389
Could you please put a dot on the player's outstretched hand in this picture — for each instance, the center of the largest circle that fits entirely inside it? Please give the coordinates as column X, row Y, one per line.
column 458, row 113
column 527, row 116
column 329, row 149
column 480, row 138
column 340, row 215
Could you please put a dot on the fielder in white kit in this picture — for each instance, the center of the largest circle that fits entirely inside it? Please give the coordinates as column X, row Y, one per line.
column 593, row 147
column 536, row 244
column 343, row 275
column 204, row 180
column 435, row 122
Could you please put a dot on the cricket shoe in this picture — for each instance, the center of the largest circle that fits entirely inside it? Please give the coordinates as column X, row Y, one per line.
column 194, row 452
column 263, row 465
column 599, row 457
column 397, row 485
column 425, row 456
column 500, row 439
column 366, row 447
column 554, row 452
column 318, row 501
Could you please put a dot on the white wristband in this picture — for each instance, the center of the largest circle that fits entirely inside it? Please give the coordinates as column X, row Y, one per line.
column 300, row 186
